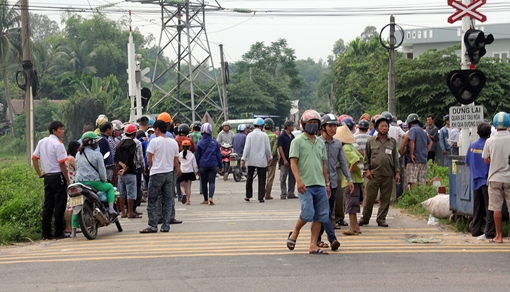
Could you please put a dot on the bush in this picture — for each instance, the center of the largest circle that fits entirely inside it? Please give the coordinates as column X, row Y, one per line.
column 21, row 201
column 411, row 199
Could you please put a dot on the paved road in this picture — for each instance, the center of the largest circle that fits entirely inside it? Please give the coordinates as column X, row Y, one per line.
column 240, row 246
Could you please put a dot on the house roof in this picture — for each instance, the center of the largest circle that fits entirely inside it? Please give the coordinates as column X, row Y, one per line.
column 18, row 105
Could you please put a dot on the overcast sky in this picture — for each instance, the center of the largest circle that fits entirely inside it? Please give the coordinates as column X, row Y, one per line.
column 310, row 36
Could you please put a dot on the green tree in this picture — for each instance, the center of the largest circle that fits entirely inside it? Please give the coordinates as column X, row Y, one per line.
column 42, row 27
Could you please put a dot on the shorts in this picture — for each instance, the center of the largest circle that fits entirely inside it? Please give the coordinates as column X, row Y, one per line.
column 352, row 201
column 415, row 173
column 314, row 204
column 498, row 192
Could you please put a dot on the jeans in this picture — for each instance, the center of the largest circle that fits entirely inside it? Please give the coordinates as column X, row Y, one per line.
column 328, row 226
column 127, row 186
column 161, row 185
column 314, row 204
column 285, row 172
column 261, row 172
column 208, row 177
column 55, row 200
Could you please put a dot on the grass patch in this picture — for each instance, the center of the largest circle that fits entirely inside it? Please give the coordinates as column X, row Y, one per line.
column 411, row 200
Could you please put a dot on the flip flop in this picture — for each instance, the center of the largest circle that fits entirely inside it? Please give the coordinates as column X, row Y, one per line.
column 291, row 243
column 148, row 230
column 322, row 244
column 493, row 241
column 135, row 216
column 350, row 232
column 319, row 251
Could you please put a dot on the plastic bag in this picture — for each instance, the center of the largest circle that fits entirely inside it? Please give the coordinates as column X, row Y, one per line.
column 438, row 206
column 433, row 220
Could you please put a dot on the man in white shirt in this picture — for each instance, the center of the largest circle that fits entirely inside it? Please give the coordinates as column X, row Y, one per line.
column 257, row 155
column 163, row 155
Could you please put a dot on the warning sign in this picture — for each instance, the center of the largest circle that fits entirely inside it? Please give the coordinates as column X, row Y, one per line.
column 466, row 116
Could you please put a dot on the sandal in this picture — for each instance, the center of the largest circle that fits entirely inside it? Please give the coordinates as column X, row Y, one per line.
column 350, row 232
column 319, row 251
column 322, row 244
column 204, row 202
column 291, row 243
column 134, row 216
column 148, row 230
column 188, row 203
column 211, row 202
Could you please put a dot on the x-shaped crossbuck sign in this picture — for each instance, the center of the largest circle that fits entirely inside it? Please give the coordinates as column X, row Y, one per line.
column 469, row 10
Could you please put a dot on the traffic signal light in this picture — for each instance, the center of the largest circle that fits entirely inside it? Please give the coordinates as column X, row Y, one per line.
column 146, row 96
column 466, row 85
column 475, row 41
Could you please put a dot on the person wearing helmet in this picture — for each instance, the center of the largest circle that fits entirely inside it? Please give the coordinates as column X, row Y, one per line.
column 165, row 117
column 308, row 162
column 101, row 119
column 405, row 127
column 361, row 138
column 271, row 168
column 382, row 171
column 349, row 122
column 287, row 187
column 496, row 153
column 125, row 159
column 107, row 146
column 90, row 168
column 183, row 132
column 336, row 156
column 257, row 156
column 189, row 170
column 52, row 154
column 479, row 171
column 225, row 136
column 374, row 118
column 208, row 156
column 418, row 147
column 195, row 134
column 163, row 161
column 239, row 139
column 444, row 134
column 151, row 122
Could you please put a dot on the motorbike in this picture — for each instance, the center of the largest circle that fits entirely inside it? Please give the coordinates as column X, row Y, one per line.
column 91, row 208
column 237, row 170
column 226, row 151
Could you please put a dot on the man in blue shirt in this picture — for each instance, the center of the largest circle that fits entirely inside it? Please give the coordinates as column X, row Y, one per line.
column 239, row 140
column 419, row 146
column 479, row 171
column 104, row 147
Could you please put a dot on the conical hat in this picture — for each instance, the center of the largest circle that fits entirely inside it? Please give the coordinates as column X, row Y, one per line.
column 344, row 135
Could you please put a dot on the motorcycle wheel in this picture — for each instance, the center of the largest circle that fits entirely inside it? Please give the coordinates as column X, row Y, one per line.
column 225, row 170
column 117, row 223
column 237, row 174
column 88, row 223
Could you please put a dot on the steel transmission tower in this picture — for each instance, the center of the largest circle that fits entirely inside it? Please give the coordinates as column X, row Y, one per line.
column 183, row 40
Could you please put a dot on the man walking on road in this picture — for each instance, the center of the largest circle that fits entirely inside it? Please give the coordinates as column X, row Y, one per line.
column 257, row 155
column 382, row 170
column 496, row 153
column 53, row 156
column 273, row 144
column 308, row 162
column 284, row 140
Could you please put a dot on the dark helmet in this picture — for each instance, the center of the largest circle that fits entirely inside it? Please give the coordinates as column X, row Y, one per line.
column 183, row 129
column 484, row 130
column 288, row 123
column 380, row 119
column 413, row 119
column 329, row 119
column 363, row 124
column 388, row 116
column 196, row 126
column 349, row 123
column 268, row 123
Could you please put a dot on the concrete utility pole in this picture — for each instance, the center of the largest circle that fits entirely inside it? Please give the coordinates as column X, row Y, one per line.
column 224, row 81
column 466, row 23
column 131, row 75
column 392, row 106
column 330, row 100
column 27, row 69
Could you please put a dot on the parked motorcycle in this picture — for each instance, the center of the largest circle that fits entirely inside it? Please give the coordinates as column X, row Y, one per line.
column 226, row 151
column 237, row 171
column 91, row 208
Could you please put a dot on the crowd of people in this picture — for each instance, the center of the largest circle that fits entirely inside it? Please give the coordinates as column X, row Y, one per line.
column 336, row 164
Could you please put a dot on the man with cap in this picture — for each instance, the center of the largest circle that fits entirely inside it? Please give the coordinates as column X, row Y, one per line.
column 382, row 170
column 444, row 134
column 287, row 187
column 418, row 147
column 273, row 144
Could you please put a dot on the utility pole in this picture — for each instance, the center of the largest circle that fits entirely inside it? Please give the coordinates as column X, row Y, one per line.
column 224, row 83
column 131, row 75
column 392, row 107
column 27, row 69
column 330, row 100
column 466, row 23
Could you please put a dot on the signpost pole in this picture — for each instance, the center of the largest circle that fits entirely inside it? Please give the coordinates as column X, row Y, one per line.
column 466, row 23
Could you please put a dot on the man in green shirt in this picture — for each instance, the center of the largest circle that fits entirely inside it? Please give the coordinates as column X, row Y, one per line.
column 273, row 144
column 308, row 163
column 195, row 135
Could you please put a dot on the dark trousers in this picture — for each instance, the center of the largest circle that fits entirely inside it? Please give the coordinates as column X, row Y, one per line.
column 481, row 211
column 328, row 226
column 261, row 172
column 55, row 200
column 138, row 188
column 208, row 181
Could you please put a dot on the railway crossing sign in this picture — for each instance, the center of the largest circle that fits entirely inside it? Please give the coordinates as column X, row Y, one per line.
column 469, row 10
